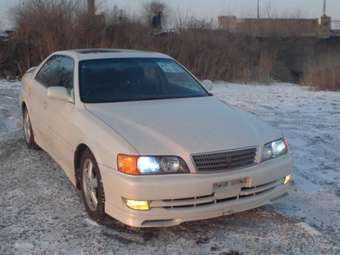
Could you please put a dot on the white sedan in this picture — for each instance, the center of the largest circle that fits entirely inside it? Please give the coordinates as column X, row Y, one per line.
column 145, row 142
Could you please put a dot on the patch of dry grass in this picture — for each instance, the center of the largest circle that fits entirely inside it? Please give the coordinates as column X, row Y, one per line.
column 43, row 27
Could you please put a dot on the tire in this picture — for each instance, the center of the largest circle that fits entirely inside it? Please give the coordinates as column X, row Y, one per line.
column 92, row 188
column 28, row 131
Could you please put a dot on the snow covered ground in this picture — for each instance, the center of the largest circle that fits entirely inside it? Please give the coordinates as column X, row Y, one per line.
column 41, row 213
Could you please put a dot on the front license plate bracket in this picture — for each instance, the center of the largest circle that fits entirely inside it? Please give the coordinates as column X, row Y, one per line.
column 227, row 189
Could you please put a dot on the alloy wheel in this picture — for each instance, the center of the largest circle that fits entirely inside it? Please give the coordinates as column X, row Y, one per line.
column 27, row 128
column 90, row 184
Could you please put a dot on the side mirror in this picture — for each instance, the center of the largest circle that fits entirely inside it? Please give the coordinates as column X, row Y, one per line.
column 208, row 85
column 59, row 93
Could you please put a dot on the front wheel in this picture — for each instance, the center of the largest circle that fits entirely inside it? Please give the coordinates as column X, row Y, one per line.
column 28, row 130
column 92, row 187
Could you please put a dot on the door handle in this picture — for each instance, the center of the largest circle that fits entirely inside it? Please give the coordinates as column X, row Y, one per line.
column 45, row 105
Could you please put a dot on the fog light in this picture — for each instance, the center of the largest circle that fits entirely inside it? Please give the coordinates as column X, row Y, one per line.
column 287, row 179
column 137, row 205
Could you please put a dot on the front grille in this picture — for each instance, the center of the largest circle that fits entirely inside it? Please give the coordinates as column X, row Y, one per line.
column 212, row 199
column 225, row 161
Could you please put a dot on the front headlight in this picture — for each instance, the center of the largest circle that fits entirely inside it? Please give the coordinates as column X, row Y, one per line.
column 274, row 149
column 146, row 165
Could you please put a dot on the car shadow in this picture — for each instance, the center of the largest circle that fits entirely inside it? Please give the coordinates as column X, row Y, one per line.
column 200, row 231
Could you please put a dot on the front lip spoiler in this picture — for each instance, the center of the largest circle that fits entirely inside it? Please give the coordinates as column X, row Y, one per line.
column 179, row 217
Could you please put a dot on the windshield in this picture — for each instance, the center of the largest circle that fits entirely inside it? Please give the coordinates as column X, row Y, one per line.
column 133, row 79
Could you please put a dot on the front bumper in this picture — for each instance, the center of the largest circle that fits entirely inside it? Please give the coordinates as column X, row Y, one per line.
column 179, row 198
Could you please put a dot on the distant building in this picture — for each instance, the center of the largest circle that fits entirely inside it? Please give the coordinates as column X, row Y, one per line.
column 335, row 25
column 92, row 14
column 276, row 27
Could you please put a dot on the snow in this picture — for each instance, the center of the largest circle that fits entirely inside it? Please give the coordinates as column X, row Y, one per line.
column 310, row 230
column 311, row 121
column 40, row 212
column 9, row 114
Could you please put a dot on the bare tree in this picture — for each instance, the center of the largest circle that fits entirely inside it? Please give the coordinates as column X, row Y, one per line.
column 117, row 15
column 269, row 10
column 155, row 8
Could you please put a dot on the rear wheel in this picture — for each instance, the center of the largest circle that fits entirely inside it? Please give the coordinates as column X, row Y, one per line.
column 28, row 130
column 92, row 187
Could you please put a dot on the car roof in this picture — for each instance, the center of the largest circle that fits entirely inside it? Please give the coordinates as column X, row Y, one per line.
column 98, row 53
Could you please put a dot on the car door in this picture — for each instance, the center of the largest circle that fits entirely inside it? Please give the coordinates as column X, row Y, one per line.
column 62, row 127
column 38, row 101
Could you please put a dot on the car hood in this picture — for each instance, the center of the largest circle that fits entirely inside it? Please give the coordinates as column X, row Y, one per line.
column 187, row 125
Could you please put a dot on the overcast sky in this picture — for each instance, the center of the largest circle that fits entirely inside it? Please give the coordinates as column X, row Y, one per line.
column 213, row 8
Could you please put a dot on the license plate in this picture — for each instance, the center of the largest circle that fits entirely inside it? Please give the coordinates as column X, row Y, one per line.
column 227, row 189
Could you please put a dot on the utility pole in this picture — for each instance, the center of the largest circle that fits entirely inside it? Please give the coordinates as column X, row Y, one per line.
column 91, row 7
column 258, row 9
column 324, row 9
